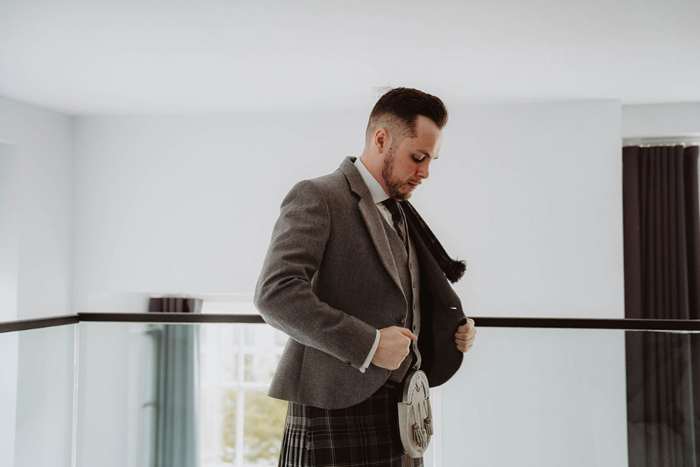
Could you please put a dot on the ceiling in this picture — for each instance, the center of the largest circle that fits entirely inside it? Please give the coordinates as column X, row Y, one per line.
column 94, row 57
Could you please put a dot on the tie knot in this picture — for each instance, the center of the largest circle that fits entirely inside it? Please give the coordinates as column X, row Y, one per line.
column 393, row 208
column 397, row 216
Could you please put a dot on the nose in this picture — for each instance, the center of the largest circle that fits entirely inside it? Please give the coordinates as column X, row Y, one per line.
column 423, row 171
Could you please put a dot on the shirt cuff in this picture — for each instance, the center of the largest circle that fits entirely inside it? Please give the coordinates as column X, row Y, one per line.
column 371, row 353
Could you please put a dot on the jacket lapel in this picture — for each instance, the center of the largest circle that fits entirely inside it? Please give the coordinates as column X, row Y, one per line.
column 372, row 218
column 441, row 315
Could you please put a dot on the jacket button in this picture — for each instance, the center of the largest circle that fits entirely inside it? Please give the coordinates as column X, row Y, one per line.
column 415, row 327
column 401, row 319
column 347, row 363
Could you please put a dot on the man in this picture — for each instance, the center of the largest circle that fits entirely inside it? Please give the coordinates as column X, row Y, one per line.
column 358, row 282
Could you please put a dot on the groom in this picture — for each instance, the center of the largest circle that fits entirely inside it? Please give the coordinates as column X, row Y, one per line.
column 360, row 284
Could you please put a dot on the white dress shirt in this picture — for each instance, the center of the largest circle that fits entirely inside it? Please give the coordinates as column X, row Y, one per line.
column 378, row 195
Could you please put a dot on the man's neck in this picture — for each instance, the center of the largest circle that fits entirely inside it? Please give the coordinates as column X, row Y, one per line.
column 374, row 168
column 375, row 188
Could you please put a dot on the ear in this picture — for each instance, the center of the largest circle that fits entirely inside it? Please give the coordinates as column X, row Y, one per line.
column 382, row 140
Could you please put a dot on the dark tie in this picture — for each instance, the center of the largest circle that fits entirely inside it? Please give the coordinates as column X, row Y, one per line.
column 397, row 215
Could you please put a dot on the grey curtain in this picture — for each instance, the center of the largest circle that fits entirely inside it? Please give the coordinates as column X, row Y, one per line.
column 178, row 386
column 662, row 271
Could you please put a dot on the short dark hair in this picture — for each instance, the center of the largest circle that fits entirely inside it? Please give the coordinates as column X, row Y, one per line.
column 404, row 105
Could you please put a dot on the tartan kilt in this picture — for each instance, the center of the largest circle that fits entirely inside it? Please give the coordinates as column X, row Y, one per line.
column 366, row 434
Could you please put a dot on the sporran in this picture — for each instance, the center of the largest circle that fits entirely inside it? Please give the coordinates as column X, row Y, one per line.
column 415, row 415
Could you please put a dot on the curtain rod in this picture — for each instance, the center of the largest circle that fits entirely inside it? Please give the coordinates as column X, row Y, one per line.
column 681, row 140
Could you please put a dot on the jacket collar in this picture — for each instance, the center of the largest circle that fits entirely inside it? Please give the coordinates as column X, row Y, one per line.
column 357, row 184
column 371, row 216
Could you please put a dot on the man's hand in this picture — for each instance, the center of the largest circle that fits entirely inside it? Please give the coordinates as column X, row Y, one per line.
column 465, row 335
column 393, row 347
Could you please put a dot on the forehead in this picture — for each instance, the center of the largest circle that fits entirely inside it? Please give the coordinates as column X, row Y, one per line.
column 427, row 139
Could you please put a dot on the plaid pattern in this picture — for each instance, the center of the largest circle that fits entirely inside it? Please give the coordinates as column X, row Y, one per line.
column 365, row 434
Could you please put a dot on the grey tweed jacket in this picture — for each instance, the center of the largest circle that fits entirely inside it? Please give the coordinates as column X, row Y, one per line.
column 329, row 281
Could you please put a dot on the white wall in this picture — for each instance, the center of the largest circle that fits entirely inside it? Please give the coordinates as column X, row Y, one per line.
column 134, row 175
column 187, row 204
column 44, row 144
column 528, row 194
column 9, row 265
column 9, row 230
column 35, row 275
column 531, row 196
column 661, row 120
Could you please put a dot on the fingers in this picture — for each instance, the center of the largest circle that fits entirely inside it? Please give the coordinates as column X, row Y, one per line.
column 464, row 346
column 406, row 332
column 465, row 335
column 394, row 346
column 464, row 339
column 468, row 326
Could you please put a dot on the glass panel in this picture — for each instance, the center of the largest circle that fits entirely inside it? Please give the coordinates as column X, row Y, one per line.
column 219, row 359
column 218, row 349
column 559, row 396
column 218, row 426
column 43, row 374
column 144, row 388
column 262, row 353
column 118, row 394
column 249, row 333
column 263, row 428
column 9, row 361
column 280, row 338
column 663, row 405
column 552, row 396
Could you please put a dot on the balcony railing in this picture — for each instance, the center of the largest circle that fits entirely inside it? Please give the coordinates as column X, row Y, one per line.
column 166, row 389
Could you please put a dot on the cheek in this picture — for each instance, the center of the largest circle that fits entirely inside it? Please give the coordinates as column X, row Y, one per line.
column 411, row 171
column 406, row 171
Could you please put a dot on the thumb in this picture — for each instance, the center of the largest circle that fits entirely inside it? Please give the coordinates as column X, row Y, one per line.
column 406, row 332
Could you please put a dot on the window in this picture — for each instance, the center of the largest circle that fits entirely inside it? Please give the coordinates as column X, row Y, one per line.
column 239, row 425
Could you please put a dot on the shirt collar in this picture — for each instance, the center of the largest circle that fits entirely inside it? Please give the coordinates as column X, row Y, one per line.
column 375, row 189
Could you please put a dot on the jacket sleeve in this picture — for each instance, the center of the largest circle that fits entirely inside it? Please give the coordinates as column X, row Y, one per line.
column 284, row 294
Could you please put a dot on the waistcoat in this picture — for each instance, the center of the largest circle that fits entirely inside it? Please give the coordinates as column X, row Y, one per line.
column 407, row 267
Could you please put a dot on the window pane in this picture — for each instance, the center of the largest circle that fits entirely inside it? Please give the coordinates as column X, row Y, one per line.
column 218, row 426
column 259, row 368
column 263, row 428
column 228, row 433
column 218, row 353
column 280, row 338
column 262, row 353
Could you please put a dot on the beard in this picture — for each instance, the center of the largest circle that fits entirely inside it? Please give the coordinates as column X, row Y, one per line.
column 393, row 185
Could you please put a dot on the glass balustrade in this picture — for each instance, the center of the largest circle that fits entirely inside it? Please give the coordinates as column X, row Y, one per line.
column 198, row 391
column 536, row 397
column 37, row 393
column 194, row 394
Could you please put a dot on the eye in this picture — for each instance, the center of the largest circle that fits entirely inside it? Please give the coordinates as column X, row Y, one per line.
column 415, row 159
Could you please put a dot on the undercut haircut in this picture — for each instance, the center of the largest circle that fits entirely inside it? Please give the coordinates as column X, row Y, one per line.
column 398, row 110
